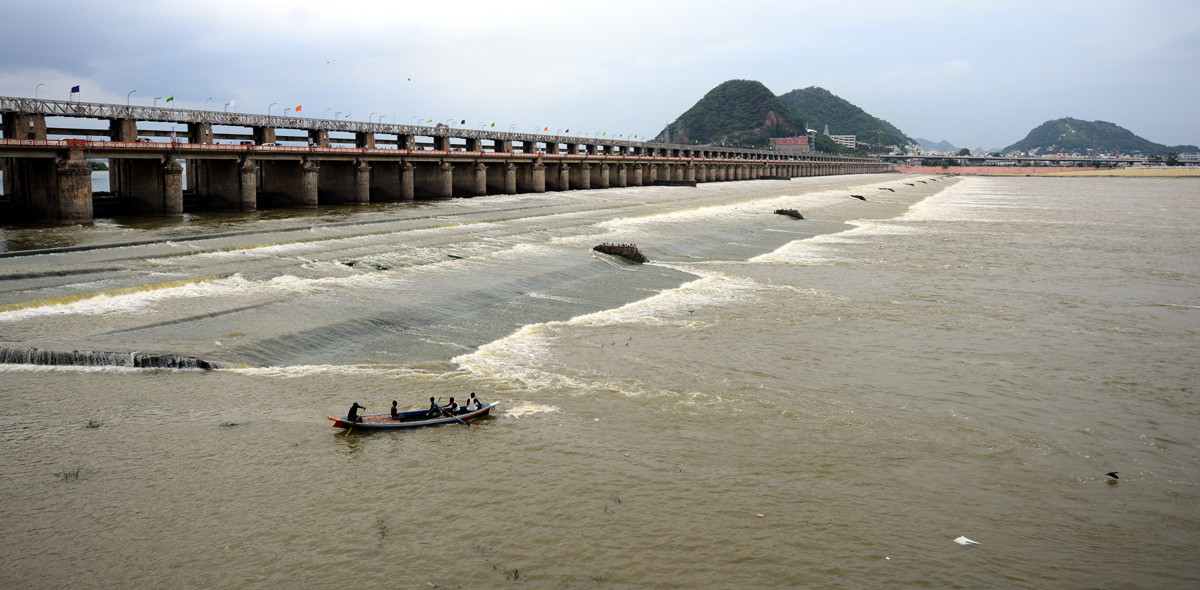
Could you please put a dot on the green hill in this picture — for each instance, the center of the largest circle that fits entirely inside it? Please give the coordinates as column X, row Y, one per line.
column 821, row 107
column 738, row 112
column 1075, row 136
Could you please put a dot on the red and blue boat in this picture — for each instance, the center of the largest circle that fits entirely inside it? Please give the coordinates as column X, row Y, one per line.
column 412, row 419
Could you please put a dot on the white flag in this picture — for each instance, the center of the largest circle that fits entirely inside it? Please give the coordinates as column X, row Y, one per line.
column 233, row 103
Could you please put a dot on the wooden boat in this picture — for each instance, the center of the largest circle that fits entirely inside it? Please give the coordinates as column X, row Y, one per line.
column 412, row 419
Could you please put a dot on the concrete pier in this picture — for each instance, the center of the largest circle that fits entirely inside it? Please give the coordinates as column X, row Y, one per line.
column 290, row 184
column 225, row 185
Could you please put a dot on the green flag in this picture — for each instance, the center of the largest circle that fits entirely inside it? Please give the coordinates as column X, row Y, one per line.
column 429, row 121
column 493, row 124
column 170, row 98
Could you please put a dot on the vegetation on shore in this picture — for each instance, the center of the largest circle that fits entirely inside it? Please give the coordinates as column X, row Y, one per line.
column 820, row 107
column 741, row 113
column 1076, row 136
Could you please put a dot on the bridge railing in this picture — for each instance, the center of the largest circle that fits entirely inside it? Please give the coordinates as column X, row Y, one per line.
column 67, row 108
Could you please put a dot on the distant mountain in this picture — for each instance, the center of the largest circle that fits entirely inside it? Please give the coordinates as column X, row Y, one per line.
column 820, row 107
column 1069, row 135
column 941, row 146
column 740, row 112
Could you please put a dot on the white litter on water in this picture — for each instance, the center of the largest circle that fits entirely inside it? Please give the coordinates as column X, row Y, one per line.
column 965, row 541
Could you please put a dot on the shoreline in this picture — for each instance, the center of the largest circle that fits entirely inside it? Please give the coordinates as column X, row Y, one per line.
column 1169, row 172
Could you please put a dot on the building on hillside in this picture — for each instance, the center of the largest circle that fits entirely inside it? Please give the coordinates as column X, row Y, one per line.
column 791, row 145
column 847, row 141
column 1189, row 157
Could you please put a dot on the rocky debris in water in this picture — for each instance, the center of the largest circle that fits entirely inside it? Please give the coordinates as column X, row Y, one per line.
column 887, row 189
column 794, row 214
column 859, row 197
column 627, row 251
column 96, row 358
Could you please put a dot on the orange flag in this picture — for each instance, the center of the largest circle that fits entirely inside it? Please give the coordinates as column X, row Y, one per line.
column 546, row 129
column 297, row 108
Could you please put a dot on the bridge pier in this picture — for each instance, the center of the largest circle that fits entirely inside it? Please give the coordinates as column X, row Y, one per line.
column 622, row 175
column 581, row 176
column 151, row 187
column 469, row 180
column 225, row 185
column 50, row 190
column 604, row 176
column 531, row 178
column 386, row 182
column 510, row 177
column 434, row 180
column 290, row 184
column 344, row 183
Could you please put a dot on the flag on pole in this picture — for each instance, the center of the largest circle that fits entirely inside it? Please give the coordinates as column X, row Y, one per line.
column 429, row 121
column 297, row 108
column 567, row 131
column 464, row 122
column 545, row 129
column 493, row 124
column 74, row 89
column 233, row 103
column 170, row 98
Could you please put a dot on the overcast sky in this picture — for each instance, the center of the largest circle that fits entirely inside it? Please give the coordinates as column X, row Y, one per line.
column 979, row 74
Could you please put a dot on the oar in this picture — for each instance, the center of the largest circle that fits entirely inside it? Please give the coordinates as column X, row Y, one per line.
column 439, row 401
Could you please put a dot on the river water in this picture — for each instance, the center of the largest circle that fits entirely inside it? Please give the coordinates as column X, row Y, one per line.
column 825, row 403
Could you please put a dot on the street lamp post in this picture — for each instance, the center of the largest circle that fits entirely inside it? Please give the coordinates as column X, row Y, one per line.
column 35, row 90
column 206, row 102
column 269, row 108
column 412, row 120
column 371, row 116
column 323, row 113
column 511, row 127
column 156, row 101
column 129, row 95
column 336, row 113
column 380, row 121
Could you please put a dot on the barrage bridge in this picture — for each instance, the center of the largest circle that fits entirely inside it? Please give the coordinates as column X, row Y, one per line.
column 49, row 180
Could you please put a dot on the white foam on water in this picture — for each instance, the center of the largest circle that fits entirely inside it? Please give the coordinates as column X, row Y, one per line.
column 227, row 287
column 816, row 200
column 817, row 250
column 20, row 368
column 304, row 371
column 512, row 359
column 526, row 409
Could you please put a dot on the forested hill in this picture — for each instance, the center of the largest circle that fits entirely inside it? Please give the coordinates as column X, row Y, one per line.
column 1069, row 135
column 820, row 107
column 737, row 112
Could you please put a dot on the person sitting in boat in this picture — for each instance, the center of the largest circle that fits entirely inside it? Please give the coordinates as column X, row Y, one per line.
column 395, row 411
column 473, row 403
column 355, row 413
column 435, row 411
column 451, row 408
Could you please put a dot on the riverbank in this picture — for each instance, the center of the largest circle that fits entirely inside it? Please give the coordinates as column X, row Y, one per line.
column 1171, row 172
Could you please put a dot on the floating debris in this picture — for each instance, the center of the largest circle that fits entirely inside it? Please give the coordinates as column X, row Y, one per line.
column 965, row 541
column 794, row 214
column 884, row 188
column 1112, row 474
column 627, row 251
column 859, row 197
column 910, row 184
